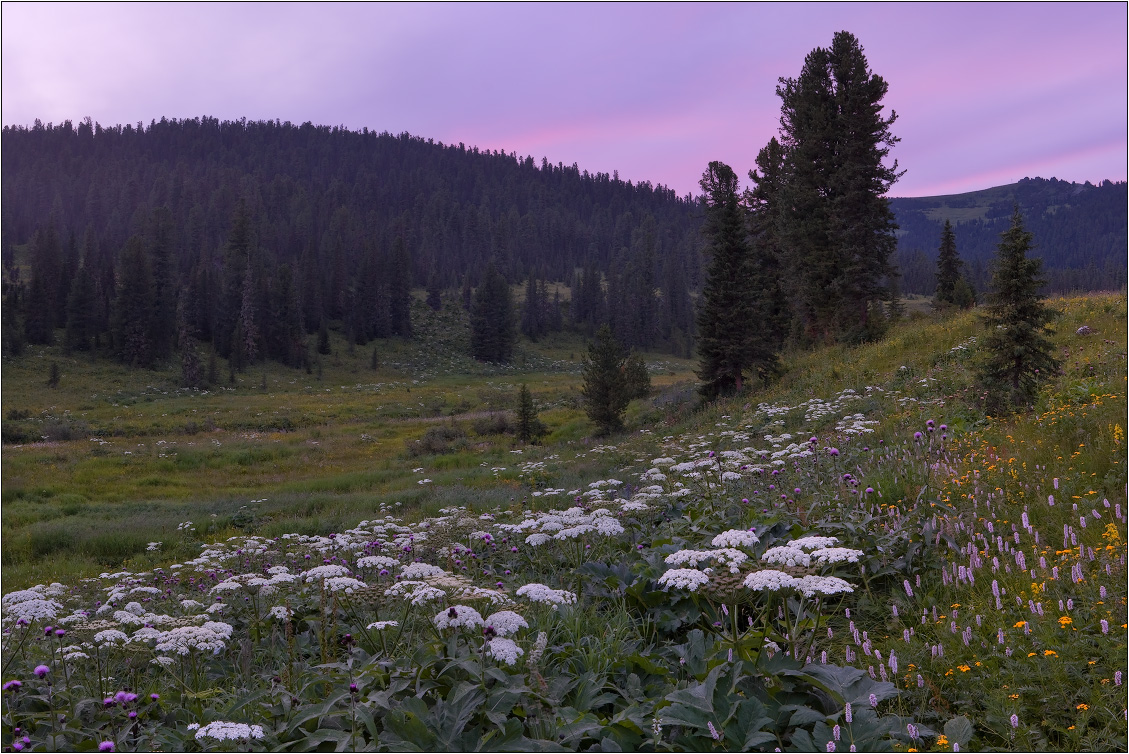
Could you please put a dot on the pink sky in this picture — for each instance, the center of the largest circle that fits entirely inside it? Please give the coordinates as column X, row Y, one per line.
column 985, row 93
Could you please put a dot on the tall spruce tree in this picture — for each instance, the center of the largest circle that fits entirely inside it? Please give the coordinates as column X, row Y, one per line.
column 728, row 333
column 1017, row 354
column 529, row 428
column 131, row 318
column 764, row 204
column 948, row 267
column 605, row 382
column 837, row 226
column 492, row 319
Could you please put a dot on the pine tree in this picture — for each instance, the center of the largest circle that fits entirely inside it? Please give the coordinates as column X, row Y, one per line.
column 728, row 342
column 53, row 375
column 434, row 292
column 836, row 224
column 400, row 290
column 1017, row 353
column 636, row 378
column 492, row 318
column 80, row 312
column 529, row 427
column 948, row 268
column 323, row 339
column 132, row 314
column 764, row 203
column 605, row 384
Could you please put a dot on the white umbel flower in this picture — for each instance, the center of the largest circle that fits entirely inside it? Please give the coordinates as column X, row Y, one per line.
column 421, row 571
column 344, row 584
column 376, row 561
column 324, row 572
column 380, row 625
column 506, row 622
column 814, row 543
column 735, row 538
column 224, row 731
column 829, row 555
column 769, row 581
column 457, row 616
column 811, row 586
column 683, row 578
column 541, row 593
column 504, row 650
column 786, row 555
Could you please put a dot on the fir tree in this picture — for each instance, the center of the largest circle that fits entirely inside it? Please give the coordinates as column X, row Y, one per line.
column 53, row 375
column 132, row 315
column 636, row 378
column 400, row 290
column 727, row 329
column 529, row 427
column 492, row 318
column 605, row 384
column 434, row 292
column 323, row 339
column 1017, row 353
column 81, row 302
column 948, row 268
column 836, row 224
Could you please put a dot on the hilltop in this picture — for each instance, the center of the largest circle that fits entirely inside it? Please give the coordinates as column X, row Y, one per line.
column 1080, row 232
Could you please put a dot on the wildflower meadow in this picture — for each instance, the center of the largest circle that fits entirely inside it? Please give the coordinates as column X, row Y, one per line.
column 857, row 560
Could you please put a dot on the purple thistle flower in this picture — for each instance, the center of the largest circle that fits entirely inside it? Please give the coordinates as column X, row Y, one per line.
column 42, row 670
column 13, row 685
column 107, row 746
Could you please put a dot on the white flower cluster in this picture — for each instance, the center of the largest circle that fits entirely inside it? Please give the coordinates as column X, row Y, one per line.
column 787, row 555
column 31, row 609
column 416, row 592
column 683, row 578
column 735, row 538
column 210, row 637
column 811, row 586
column 376, row 561
column 345, row 584
column 420, row 571
column 324, row 572
column 829, row 555
column 380, row 625
column 506, row 622
column 541, row 593
column 224, row 731
column 769, row 581
column 504, row 650
column 457, row 616
column 281, row 612
column 727, row 556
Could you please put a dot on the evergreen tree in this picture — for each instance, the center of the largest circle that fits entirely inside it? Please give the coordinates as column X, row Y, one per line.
column 81, row 303
column 53, row 375
column 948, row 268
column 400, row 290
column 1017, row 353
column 434, row 292
column 492, row 318
column 323, row 339
column 836, row 224
column 132, row 315
column 636, row 378
column 41, row 301
column 605, row 384
column 764, row 203
column 729, row 340
column 161, row 257
column 11, row 332
column 530, row 429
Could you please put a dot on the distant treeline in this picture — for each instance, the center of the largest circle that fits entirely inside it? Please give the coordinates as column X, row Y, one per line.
column 1079, row 229
column 247, row 227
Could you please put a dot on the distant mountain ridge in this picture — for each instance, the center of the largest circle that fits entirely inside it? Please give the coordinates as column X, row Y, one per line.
column 1080, row 232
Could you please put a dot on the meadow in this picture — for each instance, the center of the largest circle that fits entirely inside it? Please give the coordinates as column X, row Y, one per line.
column 856, row 558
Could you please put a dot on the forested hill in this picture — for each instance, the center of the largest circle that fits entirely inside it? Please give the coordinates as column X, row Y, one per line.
column 332, row 223
column 1080, row 232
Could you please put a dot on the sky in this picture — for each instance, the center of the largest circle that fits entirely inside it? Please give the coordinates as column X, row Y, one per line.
column 985, row 93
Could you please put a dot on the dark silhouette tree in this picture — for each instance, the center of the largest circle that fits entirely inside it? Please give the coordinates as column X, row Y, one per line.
column 636, row 378
column 132, row 315
column 605, row 383
column 529, row 428
column 492, row 319
column 728, row 335
column 949, row 277
column 1016, row 352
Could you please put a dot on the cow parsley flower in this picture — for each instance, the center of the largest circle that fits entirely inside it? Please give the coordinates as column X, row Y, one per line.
column 380, row 625
column 541, row 593
column 506, row 622
column 504, row 650
column 787, row 555
column 457, row 616
column 324, row 572
column 769, row 581
column 735, row 538
column 281, row 612
column 224, row 731
column 110, row 636
column 421, row 571
column 344, row 584
column 829, row 555
column 684, row 578
column 811, row 586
